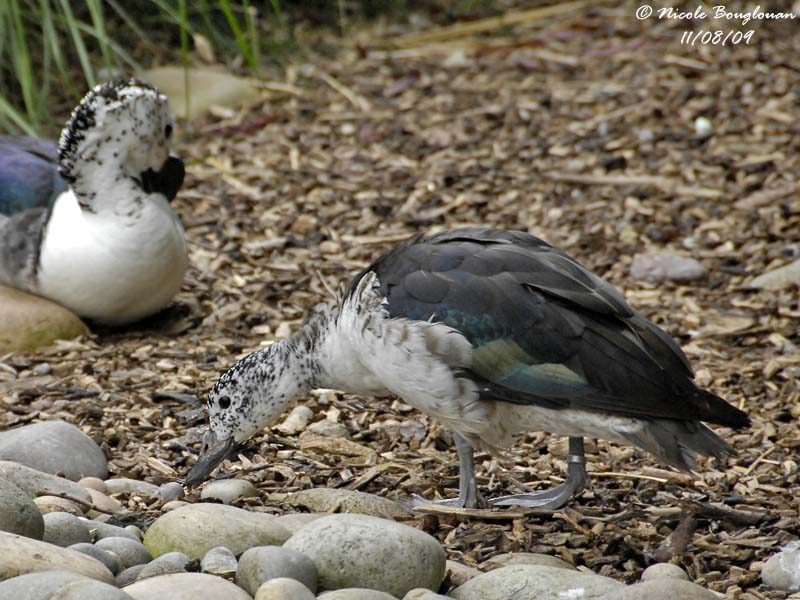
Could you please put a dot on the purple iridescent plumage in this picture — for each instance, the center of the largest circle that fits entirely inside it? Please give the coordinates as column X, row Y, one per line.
column 28, row 174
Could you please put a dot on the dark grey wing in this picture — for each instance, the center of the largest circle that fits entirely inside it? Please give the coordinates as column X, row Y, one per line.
column 544, row 329
column 21, row 237
column 28, row 174
column 167, row 181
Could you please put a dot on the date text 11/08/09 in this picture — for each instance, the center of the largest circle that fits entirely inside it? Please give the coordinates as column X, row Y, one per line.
column 715, row 38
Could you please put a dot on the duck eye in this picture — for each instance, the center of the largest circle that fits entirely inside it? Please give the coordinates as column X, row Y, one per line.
column 224, row 402
column 168, row 131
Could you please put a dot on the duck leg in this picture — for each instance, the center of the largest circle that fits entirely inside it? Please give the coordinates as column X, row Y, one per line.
column 468, row 494
column 559, row 495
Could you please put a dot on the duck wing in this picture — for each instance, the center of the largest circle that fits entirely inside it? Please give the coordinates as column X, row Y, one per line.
column 28, row 174
column 544, row 329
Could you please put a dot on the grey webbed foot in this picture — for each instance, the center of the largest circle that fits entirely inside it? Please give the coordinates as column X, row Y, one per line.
column 468, row 494
column 559, row 495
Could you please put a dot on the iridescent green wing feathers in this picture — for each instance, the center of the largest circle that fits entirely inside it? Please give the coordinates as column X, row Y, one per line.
column 545, row 330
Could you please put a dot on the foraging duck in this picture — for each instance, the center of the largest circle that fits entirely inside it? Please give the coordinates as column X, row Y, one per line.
column 93, row 229
column 494, row 333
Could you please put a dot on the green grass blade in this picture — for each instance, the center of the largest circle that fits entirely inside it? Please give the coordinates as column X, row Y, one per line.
column 132, row 24
column 118, row 50
column 98, row 21
column 241, row 41
column 10, row 113
column 251, row 17
column 77, row 40
column 184, row 25
column 22, row 63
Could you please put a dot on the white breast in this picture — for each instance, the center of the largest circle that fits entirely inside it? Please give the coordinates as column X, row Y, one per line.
column 112, row 268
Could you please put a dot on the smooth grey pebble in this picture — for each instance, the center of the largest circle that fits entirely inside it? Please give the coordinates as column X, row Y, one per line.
column 64, row 529
column 219, row 561
column 262, row 563
column 166, row 564
column 109, row 559
column 131, row 552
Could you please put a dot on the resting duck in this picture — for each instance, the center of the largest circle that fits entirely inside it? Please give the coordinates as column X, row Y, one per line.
column 93, row 230
column 494, row 333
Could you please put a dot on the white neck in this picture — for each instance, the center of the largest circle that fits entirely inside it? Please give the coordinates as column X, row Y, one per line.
column 101, row 183
column 333, row 362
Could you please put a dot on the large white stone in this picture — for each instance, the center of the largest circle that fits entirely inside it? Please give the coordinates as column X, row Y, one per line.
column 18, row 512
column 263, row 563
column 54, row 447
column 37, row 483
column 359, row 551
column 58, row 585
column 535, row 582
column 782, row 570
column 661, row 589
column 20, row 555
column 186, row 586
column 30, row 322
column 197, row 528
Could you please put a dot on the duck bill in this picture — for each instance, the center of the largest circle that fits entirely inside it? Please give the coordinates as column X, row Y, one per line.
column 212, row 452
column 167, row 180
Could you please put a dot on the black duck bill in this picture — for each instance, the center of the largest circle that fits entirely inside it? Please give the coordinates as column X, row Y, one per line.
column 212, row 452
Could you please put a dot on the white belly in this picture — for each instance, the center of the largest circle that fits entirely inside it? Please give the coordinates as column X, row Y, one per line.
column 112, row 269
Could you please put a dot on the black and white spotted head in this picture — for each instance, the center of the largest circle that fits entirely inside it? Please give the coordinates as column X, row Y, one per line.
column 250, row 396
column 123, row 122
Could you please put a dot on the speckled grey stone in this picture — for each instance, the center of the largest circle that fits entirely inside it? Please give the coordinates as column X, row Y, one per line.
column 130, row 552
column 283, row 588
column 64, row 529
column 332, row 500
column 219, row 561
column 89, row 590
column 37, row 483
column 263, row 563
column 166, row 564
column 37, row 586
column 101, row 530
column 20, row 555
column 169, row 492
column 58, row 585
column 109, row 559
column 122, row 485
column 228, row 491
column 661, row 589
column 196, row 528
column 54, row 447
column 95, row 483
column 664, row 571
column 782, row 570
column 423, row 594
column 18, row 512
column 47, row 504
column 294, row 522
column 459, row 573
column 186, row 586
column 535, row 582
column 525, row 558
column 655, row 267
column 352, row 550
column 129, row 575
column 356, row 594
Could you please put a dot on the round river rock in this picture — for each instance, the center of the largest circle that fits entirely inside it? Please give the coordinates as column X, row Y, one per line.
column 359, row 551
column 195, row 529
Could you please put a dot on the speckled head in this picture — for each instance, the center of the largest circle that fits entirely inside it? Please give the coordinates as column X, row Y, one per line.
column 118, row 123
column 248, row 397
